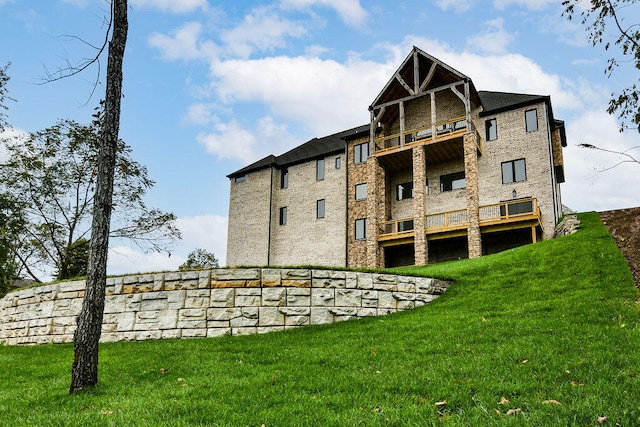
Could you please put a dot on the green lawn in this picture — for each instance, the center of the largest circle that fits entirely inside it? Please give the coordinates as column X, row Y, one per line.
column 546, row 334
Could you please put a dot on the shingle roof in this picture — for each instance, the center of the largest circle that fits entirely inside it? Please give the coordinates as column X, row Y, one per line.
column 312, row 149
column 497, row 102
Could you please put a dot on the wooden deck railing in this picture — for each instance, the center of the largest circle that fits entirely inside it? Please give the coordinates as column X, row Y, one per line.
column 417, row 136
column 512, row 210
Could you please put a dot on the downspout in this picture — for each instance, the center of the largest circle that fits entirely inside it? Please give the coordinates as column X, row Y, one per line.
column 270, row 218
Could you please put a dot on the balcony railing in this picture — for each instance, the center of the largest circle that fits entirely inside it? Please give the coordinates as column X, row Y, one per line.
column 397, row 228
column 415, row 136
column 509, row 211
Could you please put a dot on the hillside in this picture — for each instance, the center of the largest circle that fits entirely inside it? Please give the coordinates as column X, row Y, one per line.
column 542, row 335
column 624, row 226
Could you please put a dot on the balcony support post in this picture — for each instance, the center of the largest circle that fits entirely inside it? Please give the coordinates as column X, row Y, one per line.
column 375, row 212
column 419, row 205
column 473, row 198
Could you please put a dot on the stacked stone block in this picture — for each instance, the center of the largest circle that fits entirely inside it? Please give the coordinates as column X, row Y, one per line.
column 211, row 303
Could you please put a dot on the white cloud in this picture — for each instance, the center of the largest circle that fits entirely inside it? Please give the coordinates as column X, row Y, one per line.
column 208, row 232
column 205, row 232
column 350, row 11
column 507, row 72
column 527, row 4
column 493, row 40
column 262, row 29
column 589, row 186
column 184, row 43
column 322, row 95
column 232, row 141
column 457, row 5
column 172, row 6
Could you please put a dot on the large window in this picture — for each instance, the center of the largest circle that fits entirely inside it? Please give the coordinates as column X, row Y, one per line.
column 453, row 181
column 514, row 171
column 531, row 119
column 404, row 191
column 361, row 229
column 320, row 169
column 320, row 208
column 283, row 216
column 492, row 129
column 284, row 178
column 360, row 153
column 361, row 191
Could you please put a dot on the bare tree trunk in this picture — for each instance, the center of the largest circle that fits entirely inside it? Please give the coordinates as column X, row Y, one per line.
column 85, row 364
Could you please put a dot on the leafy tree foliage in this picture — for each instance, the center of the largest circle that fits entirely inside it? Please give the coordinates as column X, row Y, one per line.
column 600, row 17
column 52, row 174
column 200, row 259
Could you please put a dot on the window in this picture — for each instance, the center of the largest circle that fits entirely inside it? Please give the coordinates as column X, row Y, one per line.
column 320, row 209
column 241, row 178
column 361, row 191
column 514, row 171
column 531, row 119
column 320, row 169
column 283, row 215
column 453, row 181
column 492, row 129
column 284, row 178
column 360, row 153
column 338, row 162
column 361, row 229
column 404, row 191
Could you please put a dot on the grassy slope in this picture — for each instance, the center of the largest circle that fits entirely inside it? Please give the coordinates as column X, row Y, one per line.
column 552, row 328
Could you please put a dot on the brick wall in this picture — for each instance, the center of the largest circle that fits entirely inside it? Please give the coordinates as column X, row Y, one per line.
column 305, row 239
column 249, row 216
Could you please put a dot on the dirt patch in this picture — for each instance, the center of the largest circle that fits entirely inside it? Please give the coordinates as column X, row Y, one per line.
column 624, row 226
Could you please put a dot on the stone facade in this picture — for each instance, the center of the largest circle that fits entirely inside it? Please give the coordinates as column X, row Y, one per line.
column 211, row 303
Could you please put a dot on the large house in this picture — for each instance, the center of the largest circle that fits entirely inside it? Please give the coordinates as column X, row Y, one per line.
column 442, row 171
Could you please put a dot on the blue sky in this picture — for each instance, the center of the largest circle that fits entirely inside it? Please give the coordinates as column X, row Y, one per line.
column 211, row 86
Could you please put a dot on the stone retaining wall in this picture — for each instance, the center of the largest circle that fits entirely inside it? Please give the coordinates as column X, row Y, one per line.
column 211, row 303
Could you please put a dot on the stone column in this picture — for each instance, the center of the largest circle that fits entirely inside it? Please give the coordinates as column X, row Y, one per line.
column 419, row 205
column 473, row 197
column 375, row 211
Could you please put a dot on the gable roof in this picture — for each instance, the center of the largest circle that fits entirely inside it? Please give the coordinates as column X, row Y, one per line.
column 315, row 148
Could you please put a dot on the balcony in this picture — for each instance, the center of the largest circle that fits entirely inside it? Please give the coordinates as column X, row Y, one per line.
column 445, row 145
column 500, row 216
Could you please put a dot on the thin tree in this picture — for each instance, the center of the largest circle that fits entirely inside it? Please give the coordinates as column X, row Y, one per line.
column 87, row 336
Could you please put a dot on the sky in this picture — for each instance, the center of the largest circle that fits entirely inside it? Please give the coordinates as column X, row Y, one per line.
column 212, row 86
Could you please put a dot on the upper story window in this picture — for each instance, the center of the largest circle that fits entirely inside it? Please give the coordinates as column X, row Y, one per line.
column 514, row 171
column 320, row 208
column 491, row 126
column 361, row 229
column 360, row 153
column 283, row 216
column 319, row 169
column 338, row 162
column 404, row 191
column 239, row 179
column 284, row 178
column 361, row 191
column 453, row 181
column 531, row 119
